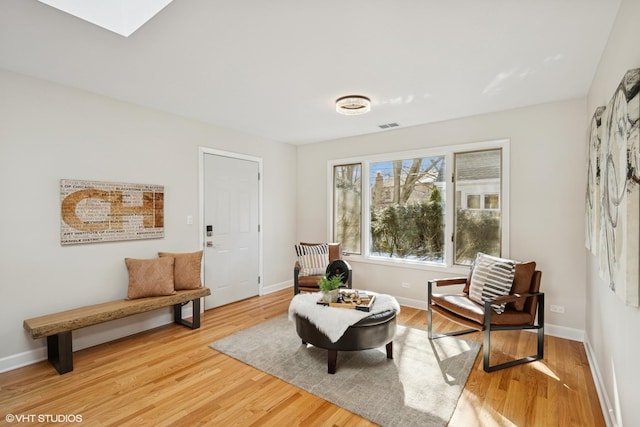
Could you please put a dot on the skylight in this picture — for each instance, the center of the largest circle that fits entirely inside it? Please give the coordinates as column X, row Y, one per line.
column 120, row 16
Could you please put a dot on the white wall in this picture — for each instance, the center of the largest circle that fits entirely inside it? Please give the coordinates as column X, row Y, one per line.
column 49, row 132
column 613, row 329
column 547, row 198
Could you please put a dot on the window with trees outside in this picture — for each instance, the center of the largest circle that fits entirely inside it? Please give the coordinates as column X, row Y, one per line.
column 437, row 206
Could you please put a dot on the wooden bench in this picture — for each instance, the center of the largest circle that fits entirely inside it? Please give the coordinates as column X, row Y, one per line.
column 57, row 327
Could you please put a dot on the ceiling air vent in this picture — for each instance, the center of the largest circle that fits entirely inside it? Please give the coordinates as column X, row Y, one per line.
column 388, row 125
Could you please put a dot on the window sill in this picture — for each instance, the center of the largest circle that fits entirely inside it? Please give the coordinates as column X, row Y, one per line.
column 458, row 270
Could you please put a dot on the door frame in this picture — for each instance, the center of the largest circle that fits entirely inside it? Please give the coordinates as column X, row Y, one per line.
column 202, row 151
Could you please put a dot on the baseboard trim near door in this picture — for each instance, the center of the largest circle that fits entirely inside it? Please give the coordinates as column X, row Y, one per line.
column 277, row 287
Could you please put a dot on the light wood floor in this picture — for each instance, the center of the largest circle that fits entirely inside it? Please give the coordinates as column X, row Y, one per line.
column 169, row 376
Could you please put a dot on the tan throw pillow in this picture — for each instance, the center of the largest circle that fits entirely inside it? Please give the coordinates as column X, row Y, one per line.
column 186, row 270
column 149, row 277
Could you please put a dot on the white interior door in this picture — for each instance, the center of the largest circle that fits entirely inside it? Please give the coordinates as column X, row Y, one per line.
column 231, row 228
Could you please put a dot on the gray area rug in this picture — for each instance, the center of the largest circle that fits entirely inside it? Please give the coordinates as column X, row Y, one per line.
column 419, row 387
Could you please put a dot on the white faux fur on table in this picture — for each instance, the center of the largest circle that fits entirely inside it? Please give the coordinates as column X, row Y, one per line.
column 332, row 321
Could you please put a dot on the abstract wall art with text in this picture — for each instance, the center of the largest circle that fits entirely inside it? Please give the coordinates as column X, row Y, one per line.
column 93, row 211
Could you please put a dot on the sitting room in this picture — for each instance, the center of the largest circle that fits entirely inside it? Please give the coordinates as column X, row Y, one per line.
column 182, row 182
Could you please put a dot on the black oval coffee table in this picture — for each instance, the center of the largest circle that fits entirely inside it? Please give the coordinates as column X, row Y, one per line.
column 370, row 332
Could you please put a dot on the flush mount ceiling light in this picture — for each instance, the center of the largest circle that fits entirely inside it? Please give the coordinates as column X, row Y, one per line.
column 353, row 105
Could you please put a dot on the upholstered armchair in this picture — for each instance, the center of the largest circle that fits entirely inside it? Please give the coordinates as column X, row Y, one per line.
column 487, row 305
column 312, row 263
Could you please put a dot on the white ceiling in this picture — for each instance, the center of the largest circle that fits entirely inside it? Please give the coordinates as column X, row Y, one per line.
column 120, row 16
column 274, row 68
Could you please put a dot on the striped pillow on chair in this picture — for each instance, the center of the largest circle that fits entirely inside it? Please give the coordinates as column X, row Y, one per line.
column 491, row 277
column 313, row 259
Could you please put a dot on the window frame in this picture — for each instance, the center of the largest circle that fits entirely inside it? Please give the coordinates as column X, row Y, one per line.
column 333, row 201
column 448, row 152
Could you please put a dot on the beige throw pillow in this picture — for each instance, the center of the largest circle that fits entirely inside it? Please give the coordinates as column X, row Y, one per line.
column 149, row 277
column 186, row 269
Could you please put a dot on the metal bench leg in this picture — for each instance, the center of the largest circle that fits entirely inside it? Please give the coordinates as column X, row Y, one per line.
column 195, row 320
column 60, row 352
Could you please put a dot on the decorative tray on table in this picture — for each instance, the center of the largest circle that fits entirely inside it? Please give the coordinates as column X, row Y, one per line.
column 353, row 299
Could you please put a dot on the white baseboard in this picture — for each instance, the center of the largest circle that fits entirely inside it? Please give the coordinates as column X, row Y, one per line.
column 564, row 332
column 605, row 403
column 19, row 360
column 549, row 329
column 97, row 334
column 413, row 303
column 110, row 331
column 277, row 287
column 115, row 329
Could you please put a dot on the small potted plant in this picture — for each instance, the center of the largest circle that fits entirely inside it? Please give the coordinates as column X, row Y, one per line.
column 329, row 288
